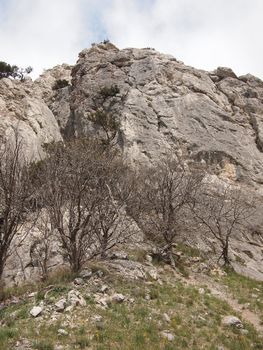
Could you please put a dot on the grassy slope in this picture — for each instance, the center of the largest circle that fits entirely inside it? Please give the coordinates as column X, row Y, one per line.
column 195, row 320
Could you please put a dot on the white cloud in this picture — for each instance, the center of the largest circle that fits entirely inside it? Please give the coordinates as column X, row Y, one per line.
column 41, row 33
column 202, row 33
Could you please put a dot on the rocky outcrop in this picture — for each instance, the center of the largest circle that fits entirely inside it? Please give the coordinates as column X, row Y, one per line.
column 25, row 114
column 211, row 117
column 57, row 99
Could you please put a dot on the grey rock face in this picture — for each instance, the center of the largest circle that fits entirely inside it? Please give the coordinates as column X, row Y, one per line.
column 211, row 117
column 22, row 112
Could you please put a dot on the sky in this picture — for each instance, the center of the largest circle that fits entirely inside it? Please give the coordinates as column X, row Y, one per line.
column 201, row 33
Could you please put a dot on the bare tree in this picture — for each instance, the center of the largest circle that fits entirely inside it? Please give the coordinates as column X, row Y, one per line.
column 166, row 191
column 82, row 183
column 112, row 225
column 15, row 194
column 40, row 249
column 222, row 213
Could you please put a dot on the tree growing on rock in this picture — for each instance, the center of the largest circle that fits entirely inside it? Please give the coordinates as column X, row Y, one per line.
column 15, row 196
column 13, row 71
column 80, row 193
column 223, row 214
column 166, row 192
column 104, row 116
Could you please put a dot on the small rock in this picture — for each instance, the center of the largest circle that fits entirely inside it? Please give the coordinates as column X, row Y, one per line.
column 60, row 305
column 99, row 273
column 62, row 331
column 36, row 311
column 100, row 325
column 153, row 274
column 244, row 331
column 196, row 259
column 32, row 295
column 104, row 288
column 149, row 258
column 79, row 281
column 119, row 256
column 102, row 301
column 169, row 336
column 97, row 318
column 118, row 298
column 85, row 274
column 166, row 318
column 201, row 291
column 232, row 321
column 76, row 299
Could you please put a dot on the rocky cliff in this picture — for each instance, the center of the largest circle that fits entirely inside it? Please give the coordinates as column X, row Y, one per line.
column 213, row 117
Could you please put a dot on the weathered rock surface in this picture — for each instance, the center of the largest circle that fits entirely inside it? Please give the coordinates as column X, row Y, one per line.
column 27, row 115
column 211, row 117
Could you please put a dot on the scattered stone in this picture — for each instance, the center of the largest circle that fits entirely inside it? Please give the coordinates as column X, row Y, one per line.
column 166, row 318
column 79, row 281
column 85, row 274
column 232, row 321
column 100, row 325
column 99, row 273
column 119, row 256
column 195, row 259
column 36, row 311
column 97, row 318
column 169, row 336
column 102, row 301
column 153, row 274
column 32, row 295
column 76, row 299
column 104, row 288
column 201, row 291
column 118, row 298
column 149, row 258
column 62, row 331
column 60, row 305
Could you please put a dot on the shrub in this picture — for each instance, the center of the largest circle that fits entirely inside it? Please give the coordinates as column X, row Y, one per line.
column 60, row 84
column 109, row 91
column 6, row 71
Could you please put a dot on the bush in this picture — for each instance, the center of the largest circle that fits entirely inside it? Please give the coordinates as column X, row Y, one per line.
column 60, row 84
column 109, row 91
column 6, row 71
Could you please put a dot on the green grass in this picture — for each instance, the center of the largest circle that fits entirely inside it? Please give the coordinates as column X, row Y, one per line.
column 195, row 321
column 43, row 345
column 245, row 290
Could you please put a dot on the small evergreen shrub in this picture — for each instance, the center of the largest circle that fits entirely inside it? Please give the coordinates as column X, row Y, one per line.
column 60, row 84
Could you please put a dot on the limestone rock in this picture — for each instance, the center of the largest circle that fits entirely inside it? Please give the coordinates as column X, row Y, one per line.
column 36, row 311
column 169, row 336
column 60, row 305
column 85, row 274
column 23, row 113
column 232, row 321
column 164, row 104
column 76, row 299
column 224, row 72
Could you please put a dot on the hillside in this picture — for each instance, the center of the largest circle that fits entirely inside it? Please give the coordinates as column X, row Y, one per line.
column 132, row 186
